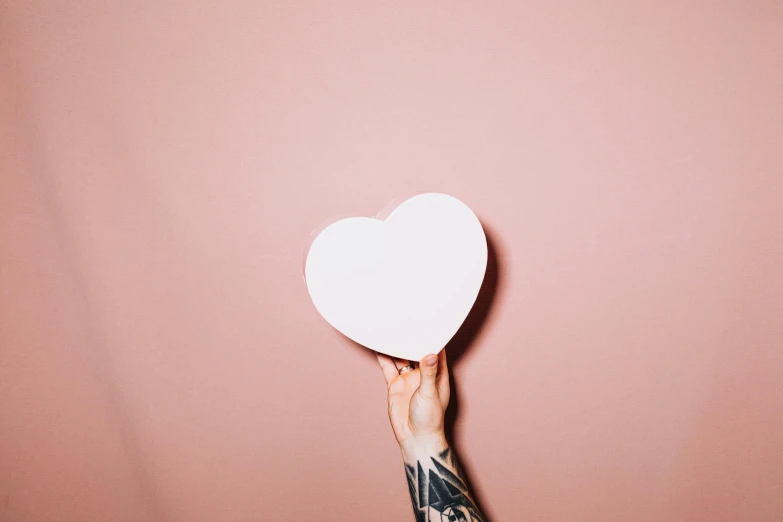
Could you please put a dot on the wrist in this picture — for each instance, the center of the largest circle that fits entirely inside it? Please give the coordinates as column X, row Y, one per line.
column 422, row 447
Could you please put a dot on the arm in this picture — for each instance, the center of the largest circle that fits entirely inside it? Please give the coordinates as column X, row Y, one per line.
column 417, row 403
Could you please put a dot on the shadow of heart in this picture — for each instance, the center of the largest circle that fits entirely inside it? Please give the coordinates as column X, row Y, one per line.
column 466, row 339
column 467, row 335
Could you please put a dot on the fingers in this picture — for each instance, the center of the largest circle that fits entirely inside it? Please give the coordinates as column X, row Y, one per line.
column 391, row 366
column 428, row 367
column 403, row 363
column 387, row 366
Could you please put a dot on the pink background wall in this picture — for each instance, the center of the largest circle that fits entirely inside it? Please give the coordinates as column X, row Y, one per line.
column 163, row 164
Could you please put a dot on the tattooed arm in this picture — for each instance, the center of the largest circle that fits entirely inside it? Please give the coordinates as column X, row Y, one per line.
column 418, row 398
column 438, row 489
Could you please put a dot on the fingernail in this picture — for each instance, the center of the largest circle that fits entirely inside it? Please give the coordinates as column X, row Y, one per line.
column 431, row 360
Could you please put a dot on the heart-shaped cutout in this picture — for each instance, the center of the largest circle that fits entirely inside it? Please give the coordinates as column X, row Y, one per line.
column 401, row 285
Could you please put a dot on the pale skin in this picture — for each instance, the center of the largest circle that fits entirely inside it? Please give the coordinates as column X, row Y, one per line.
column 417, row 400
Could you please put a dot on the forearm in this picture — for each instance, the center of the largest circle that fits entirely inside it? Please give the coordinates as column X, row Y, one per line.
column 437, row 486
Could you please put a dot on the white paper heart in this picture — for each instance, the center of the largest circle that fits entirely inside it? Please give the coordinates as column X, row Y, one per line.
column 404, row 285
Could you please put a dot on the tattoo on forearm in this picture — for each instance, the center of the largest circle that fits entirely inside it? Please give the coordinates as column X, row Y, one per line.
column 439, row 492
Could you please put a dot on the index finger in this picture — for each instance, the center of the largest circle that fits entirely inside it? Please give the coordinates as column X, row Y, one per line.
column 387, row 366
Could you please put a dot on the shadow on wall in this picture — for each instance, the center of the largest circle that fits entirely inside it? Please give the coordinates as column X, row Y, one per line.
column 462, row 342
column 465, row 338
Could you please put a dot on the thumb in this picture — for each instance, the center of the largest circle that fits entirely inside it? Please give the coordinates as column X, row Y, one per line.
column 429, row 371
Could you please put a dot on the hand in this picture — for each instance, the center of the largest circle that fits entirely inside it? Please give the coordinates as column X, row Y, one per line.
column 417, row 401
